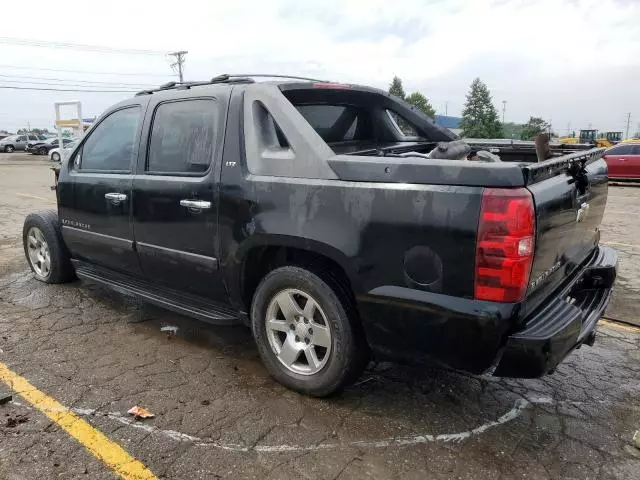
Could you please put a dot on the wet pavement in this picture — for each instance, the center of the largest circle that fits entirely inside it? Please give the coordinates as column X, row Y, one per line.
column 219, row 414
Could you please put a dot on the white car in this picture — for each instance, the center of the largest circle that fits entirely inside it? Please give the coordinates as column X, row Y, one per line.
column 56, row 155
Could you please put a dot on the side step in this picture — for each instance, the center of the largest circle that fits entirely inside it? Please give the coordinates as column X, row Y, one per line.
column 179, row 302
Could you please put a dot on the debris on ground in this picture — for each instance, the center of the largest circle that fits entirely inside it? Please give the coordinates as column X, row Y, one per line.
column 205, row 402
column 636, row 439
column 170, row 329
column 5, row 398
column 13, row 422
column 140, row 412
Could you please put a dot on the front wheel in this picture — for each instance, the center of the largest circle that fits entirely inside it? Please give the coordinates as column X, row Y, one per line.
column 45, row 249
column 307, row 335
column 42, row 151
column 8, row 149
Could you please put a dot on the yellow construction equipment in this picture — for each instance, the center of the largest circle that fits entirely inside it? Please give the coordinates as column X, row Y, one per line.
column 590, row 136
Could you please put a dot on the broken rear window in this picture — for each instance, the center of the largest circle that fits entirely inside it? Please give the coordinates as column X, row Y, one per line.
column 338, row 123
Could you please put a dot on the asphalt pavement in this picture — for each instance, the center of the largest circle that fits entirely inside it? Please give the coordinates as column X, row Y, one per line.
column 76, row 358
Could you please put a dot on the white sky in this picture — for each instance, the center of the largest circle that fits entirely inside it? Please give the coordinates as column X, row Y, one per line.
column 567, row 61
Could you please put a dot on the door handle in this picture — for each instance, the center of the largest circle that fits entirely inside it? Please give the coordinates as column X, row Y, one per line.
column 622, row 159
column 196, row 204
column 115, row 198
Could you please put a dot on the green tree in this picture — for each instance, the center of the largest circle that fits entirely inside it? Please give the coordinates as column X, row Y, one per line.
column 512, row 130
column 533, row 127
column 396, row 88
column 479, row 116
column 419, row 101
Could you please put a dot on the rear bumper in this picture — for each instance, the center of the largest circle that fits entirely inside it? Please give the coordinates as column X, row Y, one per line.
column 563, row 323
column 476, row 336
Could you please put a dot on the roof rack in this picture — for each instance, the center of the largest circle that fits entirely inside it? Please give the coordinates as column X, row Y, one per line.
column 224, row 78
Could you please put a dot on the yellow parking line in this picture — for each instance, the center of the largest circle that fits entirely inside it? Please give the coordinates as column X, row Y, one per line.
column 111, row 454
column 620, row 326
column 28, row 195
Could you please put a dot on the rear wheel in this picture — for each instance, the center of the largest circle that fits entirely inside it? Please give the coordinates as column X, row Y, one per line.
column 8, row 148
column 44, row 248
column 306, row 334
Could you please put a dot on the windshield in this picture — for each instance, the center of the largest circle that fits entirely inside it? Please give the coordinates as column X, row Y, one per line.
column 71, row 145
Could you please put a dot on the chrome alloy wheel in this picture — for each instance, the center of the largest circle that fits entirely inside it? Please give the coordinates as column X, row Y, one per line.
column 298, row 331
column 39, row 255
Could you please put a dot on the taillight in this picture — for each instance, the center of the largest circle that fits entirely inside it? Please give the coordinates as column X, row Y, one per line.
column 505, row 244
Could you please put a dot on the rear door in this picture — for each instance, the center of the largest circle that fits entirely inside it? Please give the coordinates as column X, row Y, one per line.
column 94, row 192
column 175, row 192
column 633, row 162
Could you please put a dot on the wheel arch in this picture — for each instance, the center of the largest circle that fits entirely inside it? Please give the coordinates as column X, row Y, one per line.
column 260, row 256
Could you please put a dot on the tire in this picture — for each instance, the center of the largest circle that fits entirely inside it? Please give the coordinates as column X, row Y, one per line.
column 347, row 354
column 8, row 148
column 55, row 157
column 59, row 268
column 43, row 151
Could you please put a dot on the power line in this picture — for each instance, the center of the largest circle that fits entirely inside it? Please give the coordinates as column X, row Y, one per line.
column 65, row 90
column 89, row 71
column 76, row 46
column 121, row 84
column 65, row 84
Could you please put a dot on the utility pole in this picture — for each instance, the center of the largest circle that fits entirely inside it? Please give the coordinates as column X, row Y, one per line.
column 179, row 62
column 504, row 109
column 446, row 108
column 628, row 121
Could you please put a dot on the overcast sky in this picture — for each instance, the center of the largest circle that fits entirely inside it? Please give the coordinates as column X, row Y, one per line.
column 574, row 61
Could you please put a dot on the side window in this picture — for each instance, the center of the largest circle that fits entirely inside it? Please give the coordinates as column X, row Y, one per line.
column 110, row 145
column 182, row 137
column 33, row 137
column 21, row 138
column 270, row 136
column 406, row 128
column 621, row 150
column 636, row 149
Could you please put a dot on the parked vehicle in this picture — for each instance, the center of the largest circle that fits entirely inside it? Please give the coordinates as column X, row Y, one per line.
column 42, row 147
column 56, row 154
column 301, row 209
column 18, row 142
column 623, row 161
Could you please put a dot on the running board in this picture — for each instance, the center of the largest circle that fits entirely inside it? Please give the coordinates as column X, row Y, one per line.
column 178, row 302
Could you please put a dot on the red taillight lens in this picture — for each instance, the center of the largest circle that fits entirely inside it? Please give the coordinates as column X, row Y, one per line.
column 504, row 249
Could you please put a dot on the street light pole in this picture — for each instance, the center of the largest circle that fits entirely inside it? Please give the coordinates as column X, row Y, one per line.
column 504, row 109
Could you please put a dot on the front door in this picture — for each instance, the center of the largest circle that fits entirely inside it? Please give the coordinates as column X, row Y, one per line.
column 94, row 193
column 175, row 192
column 21, row 142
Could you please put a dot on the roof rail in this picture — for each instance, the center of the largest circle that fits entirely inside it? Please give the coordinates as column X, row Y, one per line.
column 266, row 75
column 224, row 78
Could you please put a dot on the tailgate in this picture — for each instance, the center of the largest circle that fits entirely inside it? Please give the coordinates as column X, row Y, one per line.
column 570, row 195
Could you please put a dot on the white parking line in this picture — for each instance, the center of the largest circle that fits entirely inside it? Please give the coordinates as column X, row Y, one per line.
column 519, row 406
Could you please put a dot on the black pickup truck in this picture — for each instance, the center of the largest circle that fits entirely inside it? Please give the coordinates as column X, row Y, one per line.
column 302, row 209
